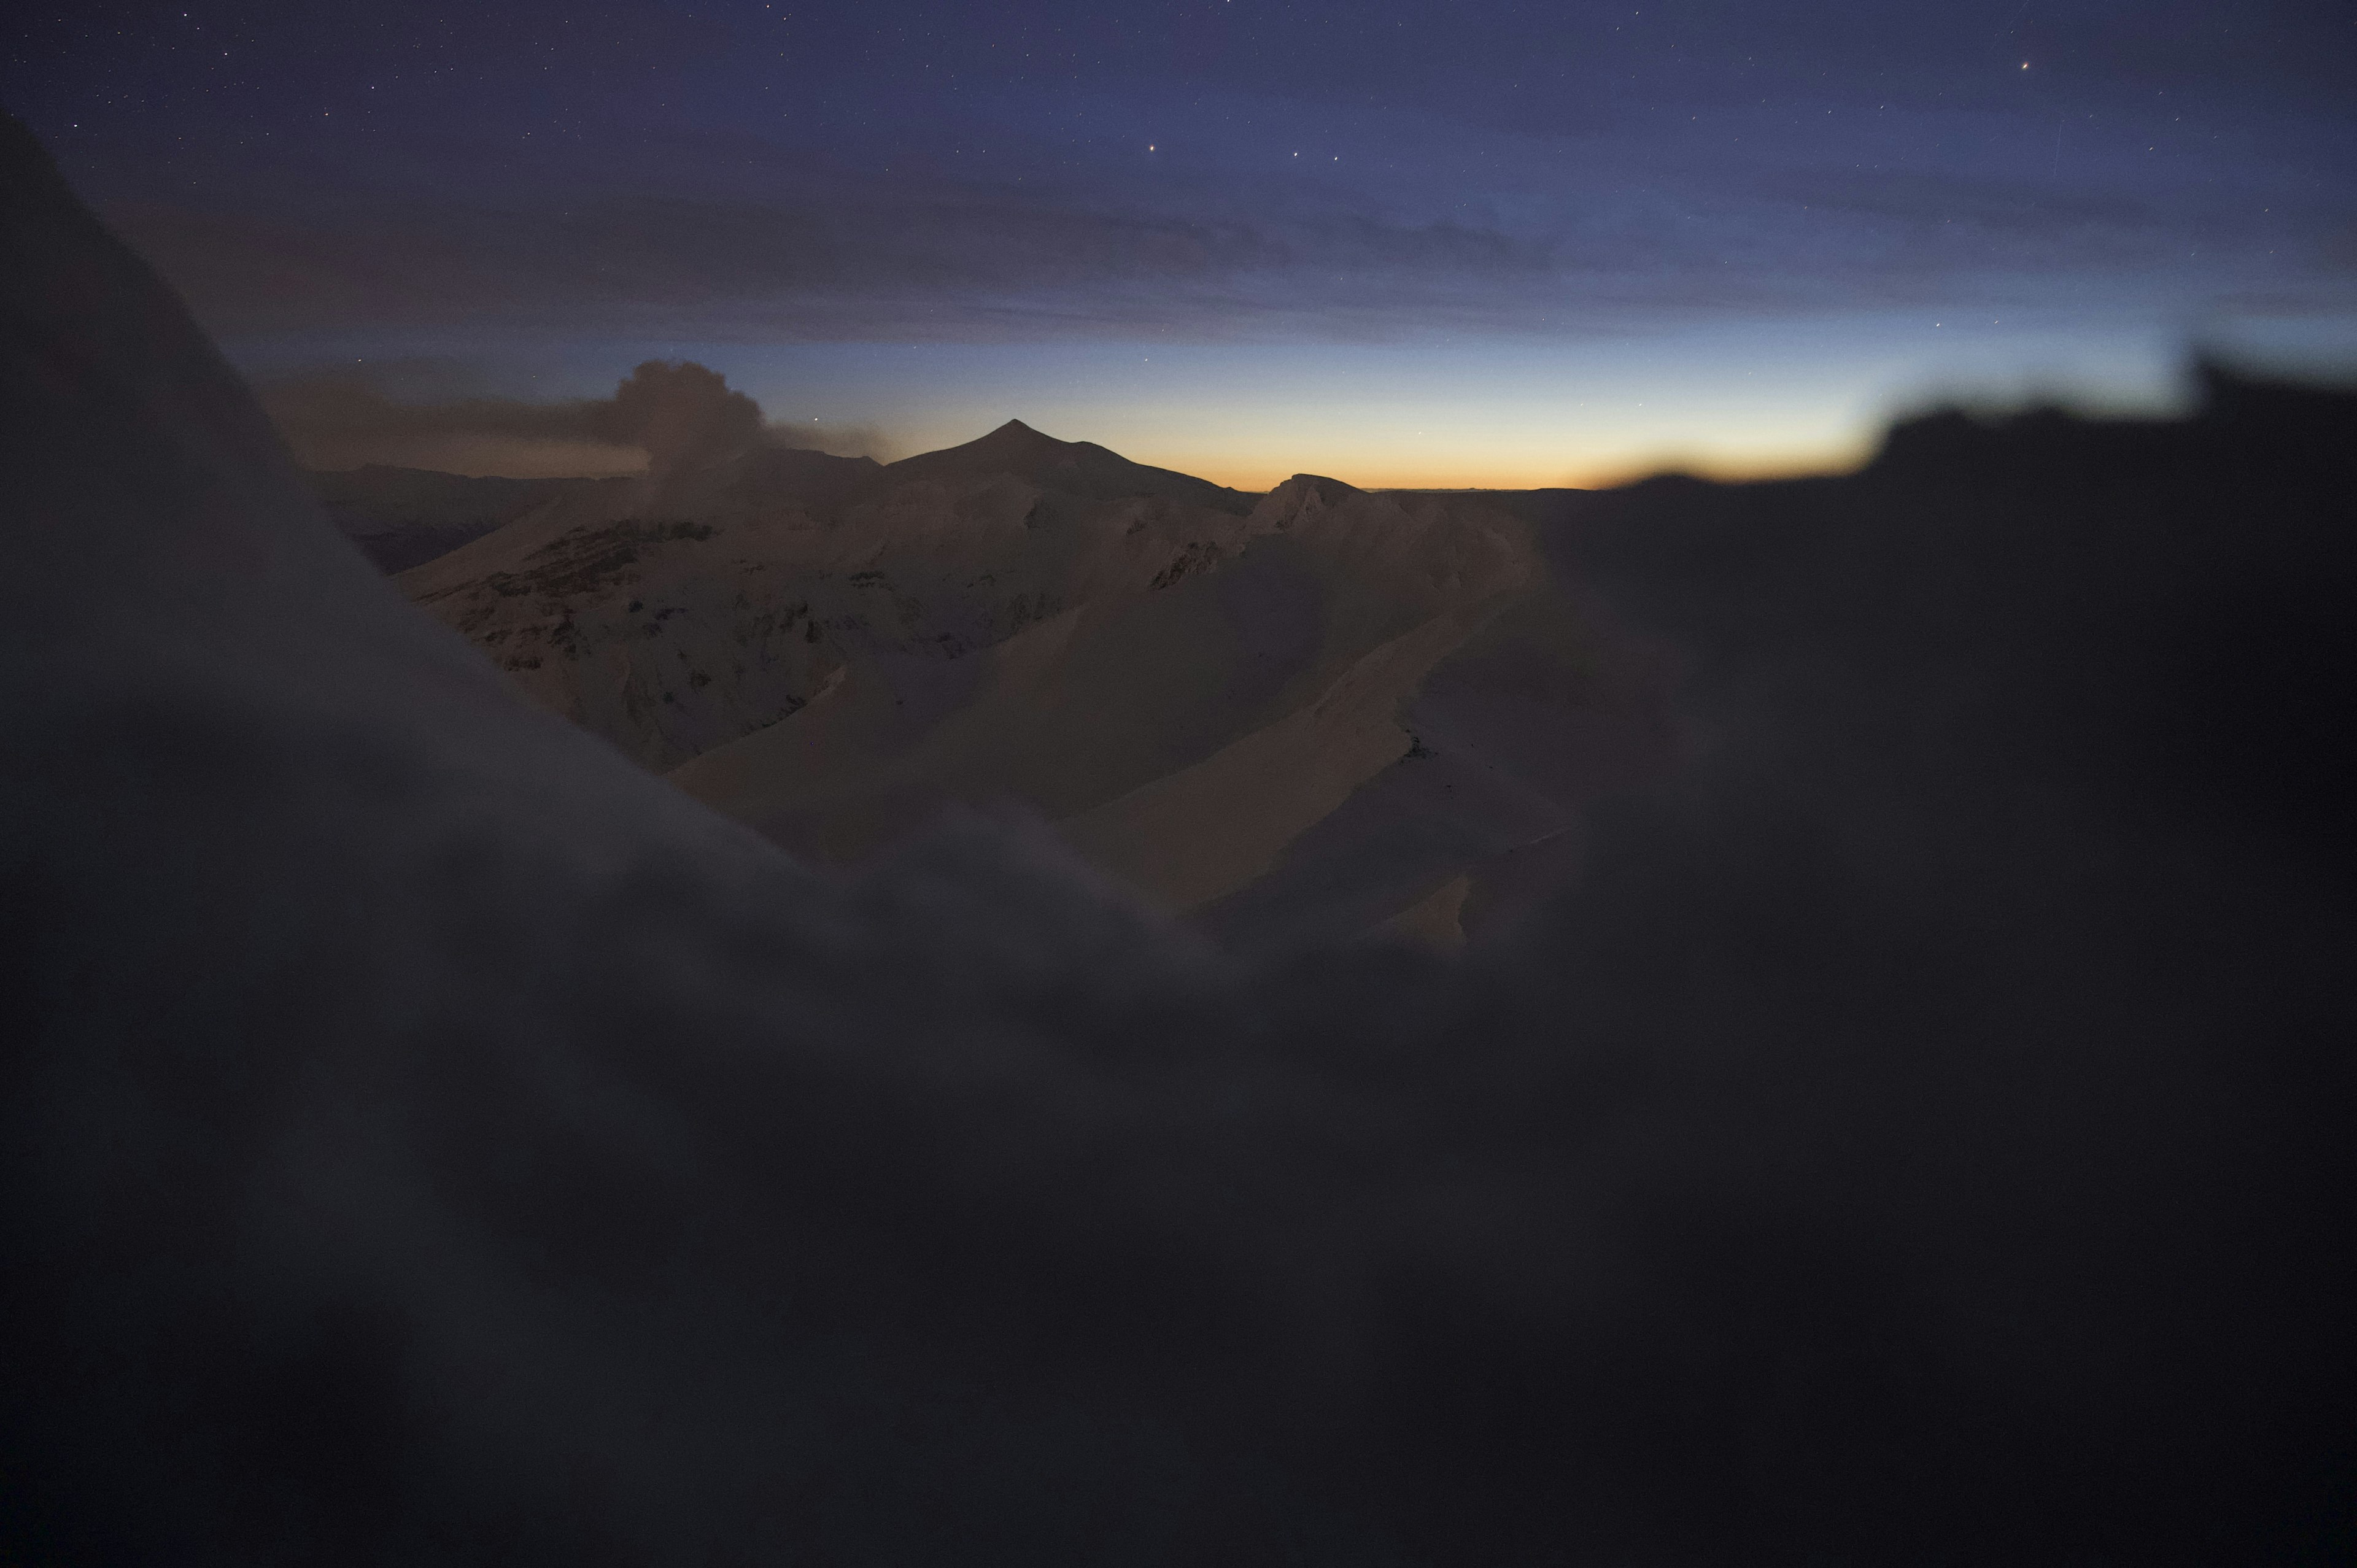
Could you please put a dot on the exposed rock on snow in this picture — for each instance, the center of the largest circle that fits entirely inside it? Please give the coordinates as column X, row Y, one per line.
column 1208, row 694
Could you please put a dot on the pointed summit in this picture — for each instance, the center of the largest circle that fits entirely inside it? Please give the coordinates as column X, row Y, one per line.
column 1074, row 467
column 1013, row 448
column 1017, row 444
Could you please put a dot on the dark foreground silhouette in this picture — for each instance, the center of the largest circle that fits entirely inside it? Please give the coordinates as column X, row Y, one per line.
column 1919, row 1137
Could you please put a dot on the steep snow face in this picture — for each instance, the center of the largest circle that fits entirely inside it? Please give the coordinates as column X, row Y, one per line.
column 1920, row 1134
column 1200, row 696
column 678, row 615
column 836, row 655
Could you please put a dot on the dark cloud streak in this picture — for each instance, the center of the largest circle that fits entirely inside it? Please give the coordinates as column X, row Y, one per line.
column 661, row 414
column 985, row 261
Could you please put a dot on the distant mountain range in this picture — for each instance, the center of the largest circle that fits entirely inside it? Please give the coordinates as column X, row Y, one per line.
column 1288, row 717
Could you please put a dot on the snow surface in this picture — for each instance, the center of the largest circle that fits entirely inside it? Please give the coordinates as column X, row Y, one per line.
column 1919, row 1137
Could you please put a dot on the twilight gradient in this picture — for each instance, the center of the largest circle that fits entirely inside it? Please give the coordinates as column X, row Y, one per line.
column 1488, row 244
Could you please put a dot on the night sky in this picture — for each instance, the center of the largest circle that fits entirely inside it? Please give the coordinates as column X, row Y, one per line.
column 1482, row 242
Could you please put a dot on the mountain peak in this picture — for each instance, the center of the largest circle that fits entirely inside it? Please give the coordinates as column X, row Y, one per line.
column 1076, row 467
column 1012, row 447
column 1301, row 496
column 1014, row 436
column 1331, row 491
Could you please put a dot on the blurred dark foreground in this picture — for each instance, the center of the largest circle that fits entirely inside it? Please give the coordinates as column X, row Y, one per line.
column 1921, row 1136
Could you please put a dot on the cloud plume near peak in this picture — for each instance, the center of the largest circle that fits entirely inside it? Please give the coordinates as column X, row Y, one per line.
column 663, row 415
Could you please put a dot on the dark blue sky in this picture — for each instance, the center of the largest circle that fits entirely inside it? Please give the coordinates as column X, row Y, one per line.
column 1480, row 241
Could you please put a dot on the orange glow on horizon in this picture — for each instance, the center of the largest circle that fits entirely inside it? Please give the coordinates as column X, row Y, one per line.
column 1607, row 470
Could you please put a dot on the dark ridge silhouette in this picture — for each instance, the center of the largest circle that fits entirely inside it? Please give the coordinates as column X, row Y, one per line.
column 1073, row 467
column 753, row 479
column 2154, row 629
column 1921, row 1136
column 1305, row 496
column 401, row 518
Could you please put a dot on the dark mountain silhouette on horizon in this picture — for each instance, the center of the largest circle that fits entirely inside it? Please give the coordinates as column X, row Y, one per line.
column 1075, row 467
column 1916, row 1134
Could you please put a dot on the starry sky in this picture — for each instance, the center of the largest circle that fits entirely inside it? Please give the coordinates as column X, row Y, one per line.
column 1483, row 242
